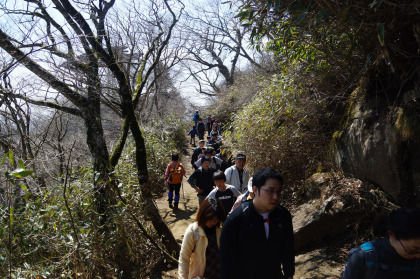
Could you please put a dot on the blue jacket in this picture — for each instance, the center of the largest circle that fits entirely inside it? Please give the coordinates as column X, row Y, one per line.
column 192, row 132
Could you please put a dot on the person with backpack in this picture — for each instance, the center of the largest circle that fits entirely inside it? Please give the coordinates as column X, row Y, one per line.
column 199, row 255
column 196, row 118
column 208, row 120
column 213, row 142
column 215, row 162
column 227, row 194
column 237, row 175
column 192, row 133
column 198, row 153
column 259, row 233
column 201, row 129
column 173, row 175
column 397, row 255
column 202, row 179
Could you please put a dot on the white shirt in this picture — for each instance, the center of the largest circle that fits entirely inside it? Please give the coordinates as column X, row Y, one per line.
column 232, row 178
column 266, row 224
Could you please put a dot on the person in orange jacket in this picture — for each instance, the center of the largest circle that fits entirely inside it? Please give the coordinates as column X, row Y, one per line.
column 173, row 175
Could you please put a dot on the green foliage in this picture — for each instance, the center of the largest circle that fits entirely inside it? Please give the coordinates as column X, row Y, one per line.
column 340, row 39
column 281, row 128
column 39, row 236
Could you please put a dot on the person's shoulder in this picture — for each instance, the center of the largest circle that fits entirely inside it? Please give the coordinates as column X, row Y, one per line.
column 231, row 188
column 282, row 210
column 241, row 210
column 231, row 168
column 213, row 192
column 190, row 229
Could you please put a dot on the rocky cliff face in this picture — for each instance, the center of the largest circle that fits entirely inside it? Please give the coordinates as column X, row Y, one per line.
column 380, row 143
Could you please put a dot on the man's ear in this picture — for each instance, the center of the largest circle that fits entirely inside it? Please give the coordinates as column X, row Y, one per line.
column 255, row 190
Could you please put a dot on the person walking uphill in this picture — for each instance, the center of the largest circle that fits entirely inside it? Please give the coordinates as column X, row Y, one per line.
column 237, row 175
column 199, row 256
column 196, row 117
column 173, row 175
column 202, row 179
column 227, row 194
column 259, row 233
column 201, row 128
column 192, row 133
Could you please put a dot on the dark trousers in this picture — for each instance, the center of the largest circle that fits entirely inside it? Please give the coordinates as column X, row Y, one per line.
column 173, row 187
column 201, row 135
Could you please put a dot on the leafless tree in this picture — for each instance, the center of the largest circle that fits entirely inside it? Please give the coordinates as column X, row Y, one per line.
column 217, row 46
column 66, row 45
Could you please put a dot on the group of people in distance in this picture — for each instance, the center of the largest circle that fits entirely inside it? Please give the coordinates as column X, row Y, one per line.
column 210, row 124
column 242, row 231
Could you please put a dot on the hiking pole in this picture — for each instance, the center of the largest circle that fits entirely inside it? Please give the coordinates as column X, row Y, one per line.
column 182, row 186
column 183, row 194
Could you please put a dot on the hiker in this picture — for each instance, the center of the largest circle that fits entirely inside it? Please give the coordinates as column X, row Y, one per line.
column 173, row 175
column 208, row 120
column 213, row 142
column 202, row 179
column 196, row 118
column 215, row 162
column 192, row 133
column 214, row 130
column 222, row 155
column 237, row 175
column 199, row 256
column 247, row 195
column 259, row 233
column 397, row 255
column 227, row 194
column 201, row 128
column 198, row 153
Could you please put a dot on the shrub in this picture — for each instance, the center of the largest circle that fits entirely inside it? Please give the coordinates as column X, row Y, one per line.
column 282, row 127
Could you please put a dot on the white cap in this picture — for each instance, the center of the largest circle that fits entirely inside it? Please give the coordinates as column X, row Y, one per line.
column 250, row 185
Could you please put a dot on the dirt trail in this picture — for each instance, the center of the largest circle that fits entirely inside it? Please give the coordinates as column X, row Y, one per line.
column 311, row 265
column 179, row 220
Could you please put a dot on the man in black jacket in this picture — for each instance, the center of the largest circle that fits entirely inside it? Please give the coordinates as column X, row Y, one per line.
column 202, row 179
column 257, row 238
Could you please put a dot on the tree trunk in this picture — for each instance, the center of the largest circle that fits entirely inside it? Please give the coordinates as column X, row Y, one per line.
column 149, row 205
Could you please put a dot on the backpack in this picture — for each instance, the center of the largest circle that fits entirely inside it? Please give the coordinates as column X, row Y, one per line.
column 372, row 263
column 217, row 166
column 175, row 174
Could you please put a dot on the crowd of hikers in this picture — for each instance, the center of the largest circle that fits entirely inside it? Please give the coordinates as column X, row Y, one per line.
column 242, row 231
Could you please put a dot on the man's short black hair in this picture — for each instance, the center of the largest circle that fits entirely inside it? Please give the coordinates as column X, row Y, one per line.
column 219, row 175
column 262, row 175
column 205, row 159
column 208, row 151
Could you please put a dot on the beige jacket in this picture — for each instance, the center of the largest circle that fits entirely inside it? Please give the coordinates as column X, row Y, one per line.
column 192, row 264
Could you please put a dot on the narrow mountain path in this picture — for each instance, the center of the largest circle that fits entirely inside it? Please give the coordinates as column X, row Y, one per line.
column 178, row 220
column 310, row 265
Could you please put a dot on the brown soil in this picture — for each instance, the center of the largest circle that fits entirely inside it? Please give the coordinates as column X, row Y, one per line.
column 313, row 264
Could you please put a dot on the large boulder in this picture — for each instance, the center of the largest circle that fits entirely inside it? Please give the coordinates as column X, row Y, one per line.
column 381, row 144
column 312, row 221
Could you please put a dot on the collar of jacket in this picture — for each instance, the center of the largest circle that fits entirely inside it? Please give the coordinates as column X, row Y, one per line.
column 250, row 211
